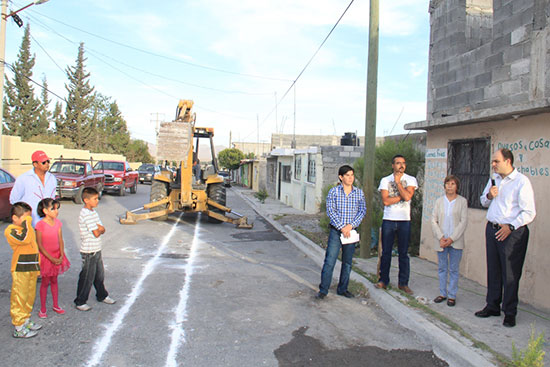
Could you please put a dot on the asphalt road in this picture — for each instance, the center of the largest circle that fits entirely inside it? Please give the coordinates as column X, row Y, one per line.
column 192, row 293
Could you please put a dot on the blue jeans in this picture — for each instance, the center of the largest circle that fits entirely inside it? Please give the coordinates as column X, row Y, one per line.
column 92, row 273
column 333, row 248
column 449, row 264
column 391, row 228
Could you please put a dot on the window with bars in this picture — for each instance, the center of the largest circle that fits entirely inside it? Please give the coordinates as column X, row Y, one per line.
column 286, row 174
column 311, row 168
column 469, row 160
column 297, row 167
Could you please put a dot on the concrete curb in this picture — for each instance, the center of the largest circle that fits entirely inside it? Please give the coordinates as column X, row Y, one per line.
column 446, row 346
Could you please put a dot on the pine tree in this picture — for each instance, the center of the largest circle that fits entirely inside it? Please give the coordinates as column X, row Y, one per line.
column 45, row 114
column 77, row 126
column 21, row 108
column 117, row 130
column 57, row 118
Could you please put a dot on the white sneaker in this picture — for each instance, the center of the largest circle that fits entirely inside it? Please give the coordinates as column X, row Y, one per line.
column 32, row 326
column 24, row 332
column 83, row 307
column 108, row 300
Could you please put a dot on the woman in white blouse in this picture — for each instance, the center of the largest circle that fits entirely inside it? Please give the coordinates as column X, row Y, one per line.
column 449, row 220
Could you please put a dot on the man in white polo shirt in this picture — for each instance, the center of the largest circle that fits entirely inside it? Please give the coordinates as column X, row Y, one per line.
column 511, row 201
column 397, row 191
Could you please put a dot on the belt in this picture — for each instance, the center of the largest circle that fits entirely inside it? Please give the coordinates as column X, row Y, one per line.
column 331, row 226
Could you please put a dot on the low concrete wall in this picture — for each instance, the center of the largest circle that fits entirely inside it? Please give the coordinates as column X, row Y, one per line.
column 16, row 155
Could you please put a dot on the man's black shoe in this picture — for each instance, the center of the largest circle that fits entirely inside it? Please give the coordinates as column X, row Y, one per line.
column 486, row 312
column 346, row 294
column 320, row 295
column 509, row 321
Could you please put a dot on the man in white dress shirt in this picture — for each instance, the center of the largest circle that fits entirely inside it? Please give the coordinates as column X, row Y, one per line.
column 511, row 201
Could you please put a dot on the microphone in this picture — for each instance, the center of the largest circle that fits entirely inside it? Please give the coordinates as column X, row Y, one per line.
column 493, row 183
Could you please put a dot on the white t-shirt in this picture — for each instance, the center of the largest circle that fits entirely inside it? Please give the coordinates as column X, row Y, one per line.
column 402, row 209
column 87, row 222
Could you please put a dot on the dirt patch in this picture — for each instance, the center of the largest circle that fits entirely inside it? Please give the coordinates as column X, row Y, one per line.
column 306, row 224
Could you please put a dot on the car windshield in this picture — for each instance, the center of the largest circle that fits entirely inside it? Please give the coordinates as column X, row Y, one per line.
column 113, row 166
column 67, row 167
column 147, row 168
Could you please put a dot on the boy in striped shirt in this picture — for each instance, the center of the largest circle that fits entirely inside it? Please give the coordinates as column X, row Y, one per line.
column 24, row 270
column 92, row 272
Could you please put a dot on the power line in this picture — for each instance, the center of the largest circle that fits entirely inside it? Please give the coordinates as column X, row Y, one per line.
column 12, row 68
column 305, row 67
column 159, row 55
column 149, row 72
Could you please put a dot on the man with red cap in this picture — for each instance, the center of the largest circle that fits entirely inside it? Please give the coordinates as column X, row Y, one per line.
column 35, row 184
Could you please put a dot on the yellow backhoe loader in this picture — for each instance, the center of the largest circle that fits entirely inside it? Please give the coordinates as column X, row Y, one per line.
column 192, row 190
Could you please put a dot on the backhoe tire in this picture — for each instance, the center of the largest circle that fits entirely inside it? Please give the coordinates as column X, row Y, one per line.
column 159, row 191
column 216, row 192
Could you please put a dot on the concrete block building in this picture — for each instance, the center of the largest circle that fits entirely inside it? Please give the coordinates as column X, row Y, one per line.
column 488, row 88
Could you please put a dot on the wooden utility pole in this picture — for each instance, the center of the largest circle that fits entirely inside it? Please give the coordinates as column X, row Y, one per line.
column 370, row 128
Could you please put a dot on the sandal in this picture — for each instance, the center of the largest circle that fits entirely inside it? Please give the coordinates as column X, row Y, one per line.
column 451, row 302
column 439, row 299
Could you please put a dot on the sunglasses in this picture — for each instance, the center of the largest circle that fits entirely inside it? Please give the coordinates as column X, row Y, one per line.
column 45, row 162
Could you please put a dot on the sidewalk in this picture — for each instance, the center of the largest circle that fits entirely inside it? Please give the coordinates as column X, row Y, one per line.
column 455, row 333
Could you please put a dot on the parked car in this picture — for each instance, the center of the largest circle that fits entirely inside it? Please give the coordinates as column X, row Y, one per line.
column 147, row 171
column 226, row 178
column 118, row 176
column 73, row 176
column 6, row 184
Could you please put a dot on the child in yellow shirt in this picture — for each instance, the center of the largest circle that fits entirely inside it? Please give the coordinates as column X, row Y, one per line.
column 24, row 270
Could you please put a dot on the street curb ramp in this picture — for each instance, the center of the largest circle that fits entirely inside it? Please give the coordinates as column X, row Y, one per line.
column 445, row 346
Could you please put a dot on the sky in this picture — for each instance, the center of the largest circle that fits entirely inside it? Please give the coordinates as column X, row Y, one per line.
column 235, row 60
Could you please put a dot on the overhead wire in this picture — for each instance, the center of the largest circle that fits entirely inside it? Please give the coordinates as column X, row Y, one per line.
column 96, row 54
column 12, row 68
column 151, row 73
column 159, row 55
column 303, row 69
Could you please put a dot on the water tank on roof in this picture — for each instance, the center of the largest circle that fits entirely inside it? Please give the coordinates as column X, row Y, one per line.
column 349, row 139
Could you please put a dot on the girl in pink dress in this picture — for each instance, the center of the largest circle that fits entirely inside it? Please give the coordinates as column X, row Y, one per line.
column 52, row 253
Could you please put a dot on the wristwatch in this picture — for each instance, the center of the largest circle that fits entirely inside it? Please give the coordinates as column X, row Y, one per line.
column 512, row 228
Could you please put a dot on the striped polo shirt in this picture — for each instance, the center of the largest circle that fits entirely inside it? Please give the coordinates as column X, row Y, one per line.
column 87, row 222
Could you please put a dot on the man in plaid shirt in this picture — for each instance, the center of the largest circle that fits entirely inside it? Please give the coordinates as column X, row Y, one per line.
column 345, row 208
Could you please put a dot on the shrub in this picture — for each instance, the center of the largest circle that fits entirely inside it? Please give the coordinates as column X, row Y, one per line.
column 532, row 355
column 261, row 195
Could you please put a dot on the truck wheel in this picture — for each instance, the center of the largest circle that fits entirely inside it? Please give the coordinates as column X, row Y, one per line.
column 78, row 196
column 122, row 189
column 133, row 189
column 100, row 191
column 159, row 191
column 216, row 192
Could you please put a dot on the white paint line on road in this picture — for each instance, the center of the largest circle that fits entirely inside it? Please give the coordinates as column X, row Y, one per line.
column 103, row 344
column 178, row 331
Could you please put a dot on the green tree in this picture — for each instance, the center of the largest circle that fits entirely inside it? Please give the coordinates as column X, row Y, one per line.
column 76, row 125
column 21, row 108
column 45, row 114
column 415, row 167
column 230, row 158
column 118, row 137
column 138, row 151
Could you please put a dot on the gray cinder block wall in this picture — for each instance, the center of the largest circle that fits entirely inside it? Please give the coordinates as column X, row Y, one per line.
column 336, row 156
column 488, row 58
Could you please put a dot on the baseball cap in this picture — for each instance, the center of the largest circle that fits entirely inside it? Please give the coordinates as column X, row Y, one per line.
column 39, row 156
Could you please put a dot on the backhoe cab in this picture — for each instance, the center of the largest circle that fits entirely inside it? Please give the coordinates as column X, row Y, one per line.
column 203, row 191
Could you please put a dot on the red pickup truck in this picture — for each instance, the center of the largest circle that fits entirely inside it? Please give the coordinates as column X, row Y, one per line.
column 73, row 176
column 118, row 176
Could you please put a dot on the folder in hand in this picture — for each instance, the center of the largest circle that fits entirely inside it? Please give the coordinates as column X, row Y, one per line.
column 353, row 237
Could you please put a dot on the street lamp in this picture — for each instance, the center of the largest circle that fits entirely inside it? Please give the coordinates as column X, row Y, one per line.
column 4, row 16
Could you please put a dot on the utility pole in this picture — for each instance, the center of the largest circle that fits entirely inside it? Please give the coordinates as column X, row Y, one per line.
column 276, row 127
column 370, row 128
column 2, row 71
column 257, row 135
column 229, row 139
column 293, row 145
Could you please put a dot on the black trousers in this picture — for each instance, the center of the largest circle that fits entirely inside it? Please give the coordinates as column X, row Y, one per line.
column 504, row 265
column 92, row 273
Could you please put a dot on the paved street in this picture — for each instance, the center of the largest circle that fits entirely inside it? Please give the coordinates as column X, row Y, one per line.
column 199, row 294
